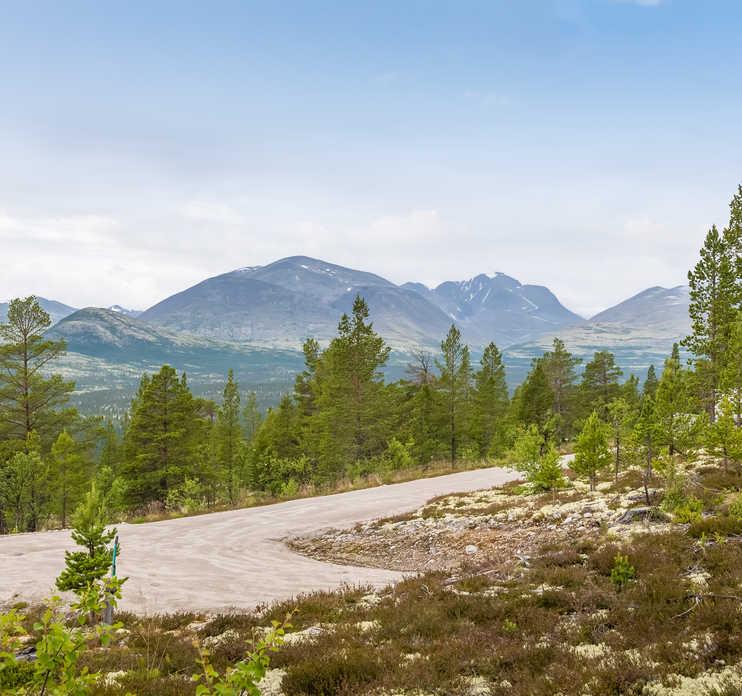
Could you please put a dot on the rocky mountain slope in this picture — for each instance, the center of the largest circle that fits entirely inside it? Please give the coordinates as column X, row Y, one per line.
column 640, row 331
column 499, row 307
column 286, row 301
column 663, row 310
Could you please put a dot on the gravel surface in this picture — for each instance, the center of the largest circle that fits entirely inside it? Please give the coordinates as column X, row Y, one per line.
column 234, row 559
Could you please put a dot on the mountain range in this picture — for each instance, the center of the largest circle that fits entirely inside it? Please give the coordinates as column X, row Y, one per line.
column 254, row 319
column 286, row 301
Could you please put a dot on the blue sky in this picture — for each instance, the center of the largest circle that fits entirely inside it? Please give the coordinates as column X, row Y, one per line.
column 582, row 144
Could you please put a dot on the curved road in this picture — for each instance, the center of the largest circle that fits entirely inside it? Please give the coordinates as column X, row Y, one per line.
column 234, row 559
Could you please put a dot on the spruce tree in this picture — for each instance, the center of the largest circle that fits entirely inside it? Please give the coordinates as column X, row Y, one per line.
column 454, row 387
column 591, row 449
column 161, row 445
column 229, row 436
column 490, row 403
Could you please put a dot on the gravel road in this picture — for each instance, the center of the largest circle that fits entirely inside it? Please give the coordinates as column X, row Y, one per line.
column 234, row 559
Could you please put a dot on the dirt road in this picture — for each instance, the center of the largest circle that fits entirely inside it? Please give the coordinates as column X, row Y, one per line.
column 229, row 559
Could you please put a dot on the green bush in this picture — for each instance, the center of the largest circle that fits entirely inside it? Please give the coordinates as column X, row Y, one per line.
column 689, row 511
column 735, row 508
column 187, row 497
column 398, row 454
column 622, row 572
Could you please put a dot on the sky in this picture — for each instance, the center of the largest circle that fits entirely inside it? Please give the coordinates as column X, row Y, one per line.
column 586, row 145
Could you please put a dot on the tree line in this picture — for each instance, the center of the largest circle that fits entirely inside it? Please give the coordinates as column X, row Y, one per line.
column 342, row 420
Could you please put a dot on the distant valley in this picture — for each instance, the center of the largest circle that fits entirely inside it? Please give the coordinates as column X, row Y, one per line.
column 255, row 319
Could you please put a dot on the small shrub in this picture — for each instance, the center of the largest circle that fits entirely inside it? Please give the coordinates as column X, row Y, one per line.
column 622, row 572
column 689, row 511
column 509, row 626
column 332, row 673
column 187, row 497
column 735, row 508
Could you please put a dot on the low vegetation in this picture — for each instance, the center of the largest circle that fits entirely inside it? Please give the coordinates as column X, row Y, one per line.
column 637, row 601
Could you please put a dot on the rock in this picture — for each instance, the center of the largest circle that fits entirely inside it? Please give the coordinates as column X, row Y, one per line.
column 216, row 641
column 642, row 514
column 306, row 636
column 471, row 549
column 370, row 600
column 476, row 686
column 270, row 684
column 591, row 651
column 27, row 654
column 111, row 679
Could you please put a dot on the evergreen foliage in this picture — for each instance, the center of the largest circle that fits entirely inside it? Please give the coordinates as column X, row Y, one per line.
column 84, row 568
column 591, row 449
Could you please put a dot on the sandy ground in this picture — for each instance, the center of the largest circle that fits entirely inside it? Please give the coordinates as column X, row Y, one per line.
column 230, row 559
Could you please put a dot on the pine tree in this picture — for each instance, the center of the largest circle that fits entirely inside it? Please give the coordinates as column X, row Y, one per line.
column 600, row 384
column 30, row 399
column 423, row 406
column 229, row 436
column 647, row 437
column 454, row 387
column 350, row 424
column 18, row 478
column 490, row 403
column 650, row 383
column 161, row 442
column 724, row 437
column 619, row 418
column 252, row 416
column 714, row 302
column 304, row 385
column 84, row 568
column 559, row 366
column 631, row 394
column 534, row 398
column 673, row 408
column 731, row 377
column 110, row 450
column 591, row 449
column 538, row 460
column 67, row 474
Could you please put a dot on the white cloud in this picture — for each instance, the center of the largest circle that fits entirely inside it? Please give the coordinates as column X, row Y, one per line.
column 210, row 211
column 86, row 229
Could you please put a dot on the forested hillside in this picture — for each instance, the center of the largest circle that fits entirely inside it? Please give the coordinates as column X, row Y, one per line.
column 343, row 421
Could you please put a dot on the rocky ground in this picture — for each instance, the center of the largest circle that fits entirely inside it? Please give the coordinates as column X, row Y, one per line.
column 496, row 530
